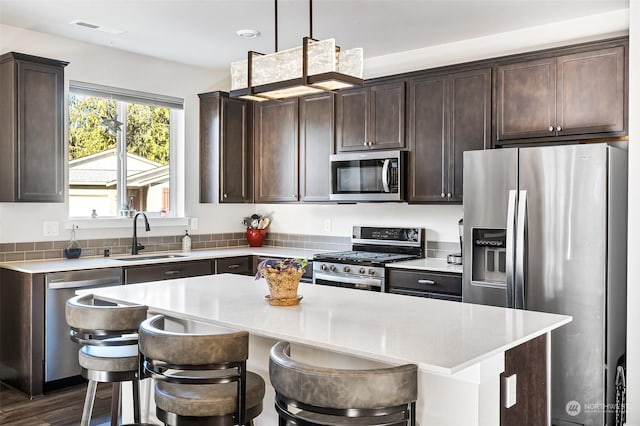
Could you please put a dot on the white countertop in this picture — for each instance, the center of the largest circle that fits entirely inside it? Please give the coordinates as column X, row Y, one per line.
column 439, row 336
column 435, row 264
column 56, row 265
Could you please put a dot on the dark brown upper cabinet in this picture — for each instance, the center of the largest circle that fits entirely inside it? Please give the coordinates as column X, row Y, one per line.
column 561, row 97
column 225, row 149
column 448, row 114
column 371, row 117
column 276, row 151
column 31, row 129
column 316, row 145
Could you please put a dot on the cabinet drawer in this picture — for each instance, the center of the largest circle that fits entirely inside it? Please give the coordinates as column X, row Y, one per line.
column 233, row 265
column 167, row 271
column 426, row 282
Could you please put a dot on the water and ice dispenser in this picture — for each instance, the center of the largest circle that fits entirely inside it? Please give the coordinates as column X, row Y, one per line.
column 489, row 255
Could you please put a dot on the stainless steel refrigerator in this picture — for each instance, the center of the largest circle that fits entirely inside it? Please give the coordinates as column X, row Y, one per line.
column 545, row 229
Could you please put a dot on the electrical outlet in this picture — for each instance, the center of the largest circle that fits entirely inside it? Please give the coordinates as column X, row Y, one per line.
column 327, row 225
column 193, row 223
column 50, row 229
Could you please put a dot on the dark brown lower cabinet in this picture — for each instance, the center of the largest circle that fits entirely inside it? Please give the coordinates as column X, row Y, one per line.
column 529, row 363
column 22, row 299
column 167, row 271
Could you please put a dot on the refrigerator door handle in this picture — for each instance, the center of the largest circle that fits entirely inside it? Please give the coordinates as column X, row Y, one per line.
column 510, row 266
column 521, row 254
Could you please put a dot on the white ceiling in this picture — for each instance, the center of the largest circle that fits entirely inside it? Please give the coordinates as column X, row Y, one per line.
column 203, row 32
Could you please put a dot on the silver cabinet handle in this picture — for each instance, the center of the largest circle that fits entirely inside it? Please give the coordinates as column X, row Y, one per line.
column 365, row 143
column 428, row 282
column 442, row 195
column 173, row 272
column 224, row 196
column 559, row 128
column 449, row 195
column 551, row 128
column 233, row 266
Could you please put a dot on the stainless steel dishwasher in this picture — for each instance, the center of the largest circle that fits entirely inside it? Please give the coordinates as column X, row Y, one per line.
column 61, row 354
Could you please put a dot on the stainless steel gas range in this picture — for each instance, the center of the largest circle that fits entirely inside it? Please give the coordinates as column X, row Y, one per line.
column 363, row 266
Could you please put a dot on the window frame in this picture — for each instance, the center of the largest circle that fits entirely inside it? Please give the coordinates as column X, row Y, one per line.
column 176, row 143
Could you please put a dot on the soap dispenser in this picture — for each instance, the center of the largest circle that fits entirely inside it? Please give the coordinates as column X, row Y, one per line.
column 186, row 242
column 73, row 250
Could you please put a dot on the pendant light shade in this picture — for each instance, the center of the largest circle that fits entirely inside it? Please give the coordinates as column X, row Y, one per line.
column 316, row 66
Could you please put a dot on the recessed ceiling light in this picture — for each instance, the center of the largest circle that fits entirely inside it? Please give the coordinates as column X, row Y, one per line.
column 92, row 26
column 248, row 33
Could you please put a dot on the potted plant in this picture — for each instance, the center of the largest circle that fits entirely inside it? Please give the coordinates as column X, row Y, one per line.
column 283, row 277
column 256, row 228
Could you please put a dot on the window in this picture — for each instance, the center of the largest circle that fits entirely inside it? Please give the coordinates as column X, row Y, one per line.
column 121, row 147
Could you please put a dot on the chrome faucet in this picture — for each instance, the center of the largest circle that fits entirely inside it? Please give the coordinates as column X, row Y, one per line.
column 135, row 246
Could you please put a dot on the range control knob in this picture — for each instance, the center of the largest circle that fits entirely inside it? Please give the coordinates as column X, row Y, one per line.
column 332, row 268
column 323, row 267
column 346, row 269
column 362, row 271
column 372, row 271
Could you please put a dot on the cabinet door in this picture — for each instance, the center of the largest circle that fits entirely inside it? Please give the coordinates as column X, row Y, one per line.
column 209, row 146
column 470, row 123
column 40, row 132
column 235, row 152
column 526, row 99
column 276, row 151
column 387, row 104
column 240, row 265
column 427, row 138
column 528, row 362
column 316, row 145
column 167, row 271
column 590, row 97
column 352, row 120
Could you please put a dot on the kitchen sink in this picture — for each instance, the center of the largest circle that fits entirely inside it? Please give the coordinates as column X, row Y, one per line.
column 152, row 257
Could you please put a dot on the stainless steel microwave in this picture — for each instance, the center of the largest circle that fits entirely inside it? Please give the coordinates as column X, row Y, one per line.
column 367, row 176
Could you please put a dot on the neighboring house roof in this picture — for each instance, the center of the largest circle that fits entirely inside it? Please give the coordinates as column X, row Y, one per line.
column 101, row 170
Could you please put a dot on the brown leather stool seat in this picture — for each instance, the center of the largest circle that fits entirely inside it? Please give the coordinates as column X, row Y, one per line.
column 201, row 379
column 338, row 397
column 109, row 351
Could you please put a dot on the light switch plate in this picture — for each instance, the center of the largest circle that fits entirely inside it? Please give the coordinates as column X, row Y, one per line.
column 327, row 225
column 50, row 229
column 193, row 223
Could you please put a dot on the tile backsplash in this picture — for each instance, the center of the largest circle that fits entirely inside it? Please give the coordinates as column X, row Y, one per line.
column 41, row 250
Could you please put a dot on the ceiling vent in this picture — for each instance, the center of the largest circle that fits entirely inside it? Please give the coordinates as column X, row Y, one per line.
column 98, row 27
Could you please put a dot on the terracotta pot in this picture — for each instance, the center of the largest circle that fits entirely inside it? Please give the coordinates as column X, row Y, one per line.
column 282, row 285
column 255, row 237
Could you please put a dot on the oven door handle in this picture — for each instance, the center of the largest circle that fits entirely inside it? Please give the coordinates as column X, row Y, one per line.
column 348, row 280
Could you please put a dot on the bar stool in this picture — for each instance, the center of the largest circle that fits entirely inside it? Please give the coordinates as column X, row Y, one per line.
column 334, row 397
column 200, row 379
column 109, row 351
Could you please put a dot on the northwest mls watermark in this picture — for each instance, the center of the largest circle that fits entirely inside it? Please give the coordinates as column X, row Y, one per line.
column 573, row 408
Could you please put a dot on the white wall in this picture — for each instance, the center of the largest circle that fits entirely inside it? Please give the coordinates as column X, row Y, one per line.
column 633, row 267
column 102, row 65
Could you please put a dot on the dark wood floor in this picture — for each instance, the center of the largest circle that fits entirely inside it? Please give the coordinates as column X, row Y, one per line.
column 57, row 408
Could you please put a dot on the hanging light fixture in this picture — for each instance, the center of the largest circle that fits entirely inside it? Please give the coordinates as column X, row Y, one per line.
column 316, row 66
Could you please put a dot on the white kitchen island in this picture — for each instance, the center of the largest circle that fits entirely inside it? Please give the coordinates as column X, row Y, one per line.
column 459, row 348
